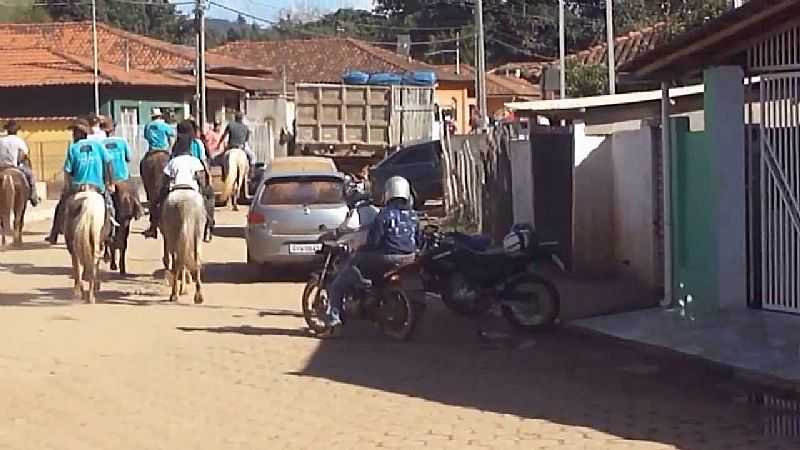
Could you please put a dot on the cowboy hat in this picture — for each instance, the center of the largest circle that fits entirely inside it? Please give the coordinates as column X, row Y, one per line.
column 155, row 112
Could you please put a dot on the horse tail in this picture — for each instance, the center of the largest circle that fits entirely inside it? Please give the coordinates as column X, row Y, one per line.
column 233, row 173
column 90, row 215
column 188, row 239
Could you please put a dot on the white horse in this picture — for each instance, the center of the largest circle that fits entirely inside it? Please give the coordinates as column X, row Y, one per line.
column 86, row 215
column 236, row 179
column 183, row 220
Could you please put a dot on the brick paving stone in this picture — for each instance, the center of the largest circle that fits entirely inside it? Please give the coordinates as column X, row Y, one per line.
column 136, row 373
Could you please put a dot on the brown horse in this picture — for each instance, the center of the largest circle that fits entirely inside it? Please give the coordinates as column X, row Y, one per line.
column 14, row 193
column 152, row 173
column 128, row 209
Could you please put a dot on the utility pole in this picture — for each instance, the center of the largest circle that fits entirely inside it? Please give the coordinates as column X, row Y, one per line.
column 612, row 60
column 562, row 73
column 95, row 57
column 458, row 53
column 200, row 17
column 481, row 66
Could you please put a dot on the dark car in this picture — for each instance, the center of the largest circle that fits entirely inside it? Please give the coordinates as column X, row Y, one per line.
column 419, row 163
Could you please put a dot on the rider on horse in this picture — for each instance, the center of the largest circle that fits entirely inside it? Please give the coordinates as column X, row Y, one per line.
column 117, row 147
column 14, row 153
column 238, row 136
column 185, row 170
column 88, row 166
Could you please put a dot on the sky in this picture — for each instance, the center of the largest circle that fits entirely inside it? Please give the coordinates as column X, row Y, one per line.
column 269, row 9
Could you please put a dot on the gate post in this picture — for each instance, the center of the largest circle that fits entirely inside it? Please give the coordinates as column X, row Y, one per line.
column 724, row 123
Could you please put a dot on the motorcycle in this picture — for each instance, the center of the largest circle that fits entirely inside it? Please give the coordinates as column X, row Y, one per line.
column 472, row 278
column 385, row 303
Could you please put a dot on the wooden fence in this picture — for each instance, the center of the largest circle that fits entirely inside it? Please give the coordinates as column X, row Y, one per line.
column 477, row 181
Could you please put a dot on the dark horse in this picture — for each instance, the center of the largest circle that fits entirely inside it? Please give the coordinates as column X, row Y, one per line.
column 153, row 177
column 128, row 209
column 14, row 193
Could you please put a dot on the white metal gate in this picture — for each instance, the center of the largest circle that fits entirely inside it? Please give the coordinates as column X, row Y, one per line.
column 777, row 60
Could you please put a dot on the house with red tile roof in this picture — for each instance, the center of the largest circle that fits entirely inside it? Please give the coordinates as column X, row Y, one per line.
column 325, row 60
column 627, row 47
column 47, row 75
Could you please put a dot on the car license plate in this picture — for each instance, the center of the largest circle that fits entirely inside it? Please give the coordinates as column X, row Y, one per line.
column 304, row 249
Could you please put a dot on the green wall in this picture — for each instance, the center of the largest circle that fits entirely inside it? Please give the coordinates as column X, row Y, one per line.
column 693, row 217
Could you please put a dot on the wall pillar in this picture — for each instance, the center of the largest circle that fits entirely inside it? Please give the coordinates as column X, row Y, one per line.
column 725, row 137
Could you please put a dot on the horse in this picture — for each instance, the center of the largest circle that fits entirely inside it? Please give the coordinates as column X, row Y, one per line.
column 183, row 221
column 152, row 173
column 238, row 169
column 14, row 193
column 85, row 233
column 128, row 209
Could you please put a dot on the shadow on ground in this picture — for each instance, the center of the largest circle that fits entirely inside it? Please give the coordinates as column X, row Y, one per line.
column 563, row 377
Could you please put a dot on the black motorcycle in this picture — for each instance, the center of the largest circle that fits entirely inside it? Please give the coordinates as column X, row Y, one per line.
column 384, row 303
column 471, row 278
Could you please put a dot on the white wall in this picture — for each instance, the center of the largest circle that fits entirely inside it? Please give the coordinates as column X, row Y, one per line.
column 614, row 210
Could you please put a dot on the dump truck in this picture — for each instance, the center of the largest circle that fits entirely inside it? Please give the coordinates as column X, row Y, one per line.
column 357, row 124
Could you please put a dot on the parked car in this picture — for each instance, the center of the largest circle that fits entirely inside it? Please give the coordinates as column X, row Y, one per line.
column 291, row 205
column 420, row 163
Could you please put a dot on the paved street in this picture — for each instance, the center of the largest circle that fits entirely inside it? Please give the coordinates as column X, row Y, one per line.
column 239, row 372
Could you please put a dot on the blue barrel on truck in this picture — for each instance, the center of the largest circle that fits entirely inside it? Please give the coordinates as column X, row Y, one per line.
column 355, row 77
column 385, row 79
column 424, row 78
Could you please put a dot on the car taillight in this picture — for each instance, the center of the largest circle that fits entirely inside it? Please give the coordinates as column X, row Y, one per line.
column 255, row 218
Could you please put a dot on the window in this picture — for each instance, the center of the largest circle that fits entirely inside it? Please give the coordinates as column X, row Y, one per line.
column 303, row 191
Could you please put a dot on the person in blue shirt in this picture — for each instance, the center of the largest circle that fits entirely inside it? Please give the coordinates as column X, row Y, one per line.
column 391, row 241
column 158, row 133
column 87, row 166
column 120, row 152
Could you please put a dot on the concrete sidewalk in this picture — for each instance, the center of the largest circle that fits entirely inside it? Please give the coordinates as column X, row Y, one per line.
column 760, row 346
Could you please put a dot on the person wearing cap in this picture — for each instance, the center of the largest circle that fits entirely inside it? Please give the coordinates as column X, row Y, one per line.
column 158, row 133
column 87, row 166
column 120, row 152
column 14, row 153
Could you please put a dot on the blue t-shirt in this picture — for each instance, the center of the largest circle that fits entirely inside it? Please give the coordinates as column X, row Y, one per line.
column 198, row 150
column 85, row 163
column 157, row 134
column 117, row 148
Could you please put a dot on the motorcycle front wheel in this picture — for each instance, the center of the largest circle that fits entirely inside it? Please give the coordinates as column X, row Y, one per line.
column 531, row 303
column 398, row 314
column 315, row 306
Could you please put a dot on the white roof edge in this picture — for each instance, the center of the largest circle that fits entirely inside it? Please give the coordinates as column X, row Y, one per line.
column 609, row 100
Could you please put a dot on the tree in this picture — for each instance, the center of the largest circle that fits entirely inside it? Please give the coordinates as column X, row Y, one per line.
column 22, row 11
column 160, row 19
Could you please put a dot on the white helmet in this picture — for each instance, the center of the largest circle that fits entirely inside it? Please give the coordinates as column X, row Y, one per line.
column 396, row 187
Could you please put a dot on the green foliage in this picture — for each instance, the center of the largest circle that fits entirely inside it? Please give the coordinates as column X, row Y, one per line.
column 22, row 11
column 585, row 80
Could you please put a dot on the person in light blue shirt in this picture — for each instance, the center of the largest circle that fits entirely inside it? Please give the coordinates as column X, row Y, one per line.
column 158, row 133
column 87, row 164
column 119, row 151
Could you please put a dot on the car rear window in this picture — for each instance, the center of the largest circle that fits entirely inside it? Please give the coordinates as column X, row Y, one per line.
column 303, row 191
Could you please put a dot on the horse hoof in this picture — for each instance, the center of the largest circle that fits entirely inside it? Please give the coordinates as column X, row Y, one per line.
column 77, row 294
column 173, row 298
column 198, row 298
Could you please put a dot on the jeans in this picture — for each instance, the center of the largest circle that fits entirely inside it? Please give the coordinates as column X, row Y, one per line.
column 350, row 276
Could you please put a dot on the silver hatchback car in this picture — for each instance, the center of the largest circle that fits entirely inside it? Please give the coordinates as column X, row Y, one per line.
column 287, row 212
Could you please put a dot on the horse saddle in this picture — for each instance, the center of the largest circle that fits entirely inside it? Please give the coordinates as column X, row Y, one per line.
column 4, row 168
column 85, row 187
column 182, row 187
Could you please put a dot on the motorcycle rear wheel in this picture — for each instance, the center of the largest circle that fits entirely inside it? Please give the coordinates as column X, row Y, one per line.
column 315, row 306
column 531, row 303
column 398, row 314
column 457, row 287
